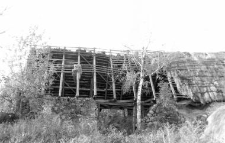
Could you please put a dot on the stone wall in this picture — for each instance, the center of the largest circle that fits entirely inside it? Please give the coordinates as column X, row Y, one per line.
column 71, row 108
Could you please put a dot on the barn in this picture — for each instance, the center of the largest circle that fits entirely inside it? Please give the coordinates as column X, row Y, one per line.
column 101, row 73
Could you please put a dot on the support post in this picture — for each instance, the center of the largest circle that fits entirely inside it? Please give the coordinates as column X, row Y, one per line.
column 171, row 85
column 62, row 75
column 152, row 85
column 113, row 80
column 49, row 52
column 107, row 81
column 134, row 116
column 91, row 88
column 135, row 91
column 95, row 76
column 78, row 75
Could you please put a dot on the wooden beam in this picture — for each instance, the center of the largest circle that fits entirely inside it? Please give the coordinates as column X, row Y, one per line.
column 93, row 67
column 95, row 76
column 171, row 85
column 113, row 80
column 152, row 85
column 78, row 75
column 62, row 75
column 106, row 90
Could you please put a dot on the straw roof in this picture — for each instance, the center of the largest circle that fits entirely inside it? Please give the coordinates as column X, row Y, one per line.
column 200, row 76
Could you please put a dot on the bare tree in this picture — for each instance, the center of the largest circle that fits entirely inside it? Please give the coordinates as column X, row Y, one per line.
column 140, row 89
column 1, row 14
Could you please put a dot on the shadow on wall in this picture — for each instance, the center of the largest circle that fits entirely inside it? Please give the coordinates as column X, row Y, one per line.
column 215, row 130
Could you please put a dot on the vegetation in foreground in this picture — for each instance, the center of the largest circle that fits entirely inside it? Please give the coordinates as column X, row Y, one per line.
column 51, row 128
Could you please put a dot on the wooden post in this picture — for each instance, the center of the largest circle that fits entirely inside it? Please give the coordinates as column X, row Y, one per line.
column 135, row 91
column 95, row 76
column 171, row 85
column 91, row 88
column 113, row 80
column 62, row 75
column 128, row 59
column 107, row 80
column 49, row 52
column 78, row 75
column 134, row 116
column 152, row 85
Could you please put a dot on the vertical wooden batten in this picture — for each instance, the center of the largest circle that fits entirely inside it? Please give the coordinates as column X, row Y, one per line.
column 171, row 85
column 113, row 80
column 49, row 68
column 152, row 85
column 134, row 117
column 62, row 74
column 95, row 76
column 78, row 74
column 107, row 81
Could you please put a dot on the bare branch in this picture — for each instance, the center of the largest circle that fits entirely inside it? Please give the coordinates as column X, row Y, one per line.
column 3, row 11
column 2, row 32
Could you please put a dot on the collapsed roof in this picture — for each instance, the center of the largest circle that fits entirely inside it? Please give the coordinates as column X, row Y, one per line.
column 199, row 76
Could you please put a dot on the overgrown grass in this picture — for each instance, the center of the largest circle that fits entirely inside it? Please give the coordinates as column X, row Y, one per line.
column 51, row 128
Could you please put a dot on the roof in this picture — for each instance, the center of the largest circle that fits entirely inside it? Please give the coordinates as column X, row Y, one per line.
column 199, row 76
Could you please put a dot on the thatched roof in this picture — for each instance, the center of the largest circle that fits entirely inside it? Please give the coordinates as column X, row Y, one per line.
column 200, row 76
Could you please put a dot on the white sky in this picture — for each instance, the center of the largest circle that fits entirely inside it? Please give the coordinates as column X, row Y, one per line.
column 171, row 25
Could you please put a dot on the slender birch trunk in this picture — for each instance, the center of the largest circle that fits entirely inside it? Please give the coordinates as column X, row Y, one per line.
column 139, row 91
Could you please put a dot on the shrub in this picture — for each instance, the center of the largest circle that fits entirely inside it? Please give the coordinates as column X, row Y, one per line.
column 164, row 111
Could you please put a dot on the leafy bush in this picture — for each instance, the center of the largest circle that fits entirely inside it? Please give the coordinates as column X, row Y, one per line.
column 164, row 111
column 114, row 119
column 31, row 73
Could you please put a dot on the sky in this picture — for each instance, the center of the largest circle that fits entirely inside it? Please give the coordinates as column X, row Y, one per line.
column 169, row 25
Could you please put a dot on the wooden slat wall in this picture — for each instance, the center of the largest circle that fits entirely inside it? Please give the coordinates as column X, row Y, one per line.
column 97, row 79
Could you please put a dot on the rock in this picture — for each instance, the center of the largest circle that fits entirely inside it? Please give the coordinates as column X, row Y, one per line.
column 216, row 126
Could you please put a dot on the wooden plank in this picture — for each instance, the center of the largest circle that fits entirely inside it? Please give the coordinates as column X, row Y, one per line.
column 106, row 90
column 97, row 72
column 113, row 80
column 152, row 85
column 78, row 75
column 118, row 101
column 95, row 79
column 62, row 75
column 171, row 85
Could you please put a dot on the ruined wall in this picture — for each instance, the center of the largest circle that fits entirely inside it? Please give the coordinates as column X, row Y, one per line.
column 70, row 108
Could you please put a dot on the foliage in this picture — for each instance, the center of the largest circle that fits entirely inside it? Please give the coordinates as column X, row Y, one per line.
column 164, row 111
column 31, row 72
column 50, row 128
column 129, row 80
column 114, row 119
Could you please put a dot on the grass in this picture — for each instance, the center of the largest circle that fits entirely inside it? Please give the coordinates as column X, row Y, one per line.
column 50, row 128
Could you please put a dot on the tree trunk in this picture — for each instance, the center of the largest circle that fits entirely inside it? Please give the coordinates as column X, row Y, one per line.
column 139, row 91
column 139, row 102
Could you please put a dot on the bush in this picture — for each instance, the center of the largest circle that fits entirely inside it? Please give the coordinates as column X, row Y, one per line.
column 50, row 128
column 164, row 111
column 115, row 119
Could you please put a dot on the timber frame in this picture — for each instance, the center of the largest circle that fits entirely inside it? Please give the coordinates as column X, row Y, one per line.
column 96, row 73
column 98, row 78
